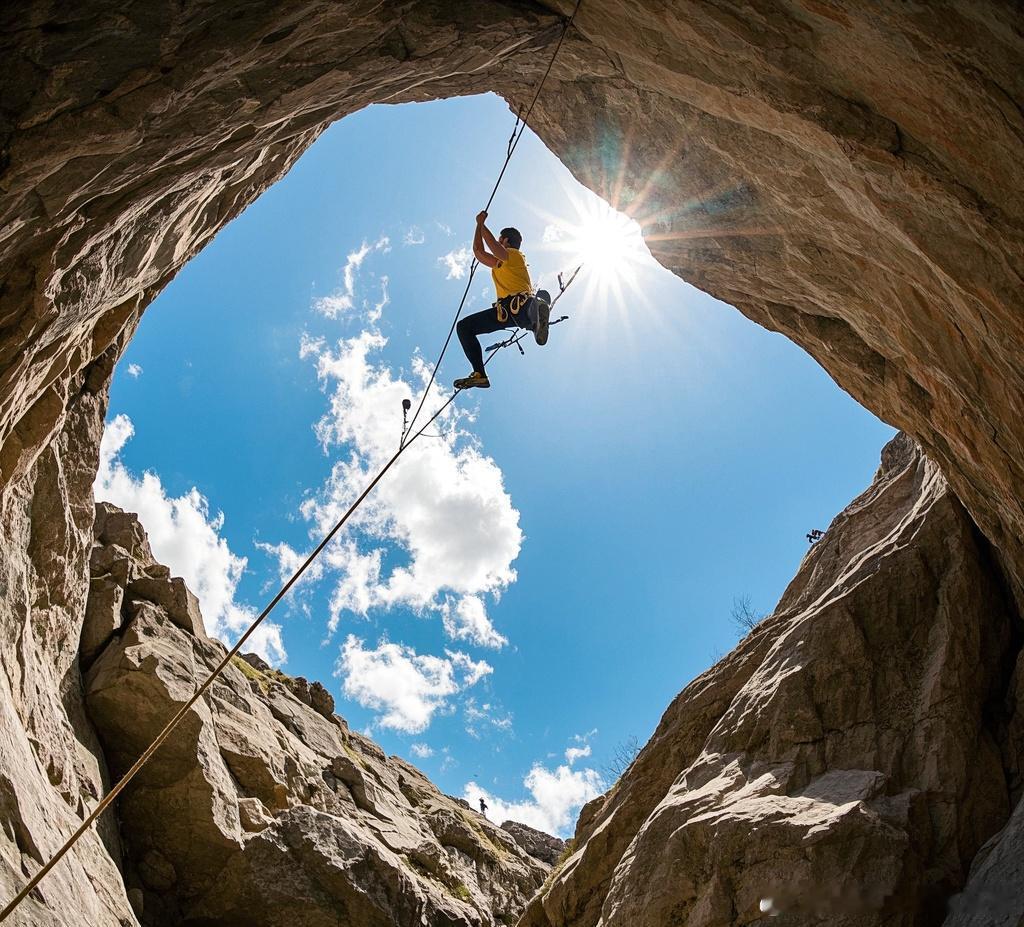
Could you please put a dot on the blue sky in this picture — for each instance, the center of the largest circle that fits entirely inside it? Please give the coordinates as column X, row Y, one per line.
column 552, row 568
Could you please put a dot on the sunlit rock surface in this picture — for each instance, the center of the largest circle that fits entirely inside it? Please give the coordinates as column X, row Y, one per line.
column 848, row 173
column 846, row 762
column 263, row 808
column 52, row 769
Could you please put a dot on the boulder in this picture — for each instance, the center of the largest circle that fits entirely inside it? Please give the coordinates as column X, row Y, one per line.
column 539, row 845
column 173, row 596
column 261, row 799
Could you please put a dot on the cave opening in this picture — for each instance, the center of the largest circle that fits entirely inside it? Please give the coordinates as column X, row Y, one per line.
column 604, row 509
column 845, row 174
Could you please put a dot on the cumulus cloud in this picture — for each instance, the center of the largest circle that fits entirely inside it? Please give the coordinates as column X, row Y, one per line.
column 443, row 506
column 466, row 619
column 186, row 537
column 556, row 797
column 414, row 236
column 456, row 263
column 422, row 751
column 438, row 536
column 403, row 687
column 135, row 371
column 343, row 299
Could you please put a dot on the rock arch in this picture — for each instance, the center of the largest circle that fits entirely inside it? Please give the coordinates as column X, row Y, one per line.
column 847, row 173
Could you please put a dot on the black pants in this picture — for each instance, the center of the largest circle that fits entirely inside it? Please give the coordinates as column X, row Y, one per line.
column 480, row 323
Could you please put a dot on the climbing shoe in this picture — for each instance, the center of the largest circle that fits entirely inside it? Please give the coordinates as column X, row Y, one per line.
column 542, row 306
column 476, row 379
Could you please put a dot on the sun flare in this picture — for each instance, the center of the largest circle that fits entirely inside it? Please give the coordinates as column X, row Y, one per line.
column 609, row 246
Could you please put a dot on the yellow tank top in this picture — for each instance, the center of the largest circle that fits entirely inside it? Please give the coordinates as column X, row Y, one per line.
column 512, row 275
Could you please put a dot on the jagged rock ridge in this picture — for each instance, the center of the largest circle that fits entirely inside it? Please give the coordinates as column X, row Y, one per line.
column 263, row 808
column 846, row 173
column 847, row 761
column 538, row 844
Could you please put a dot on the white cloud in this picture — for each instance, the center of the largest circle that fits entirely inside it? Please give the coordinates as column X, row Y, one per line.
column 473, row 713
column 184, row 536
column 423, row 751
column 473, row 670
column 447, row 229
column 438, row 536
column 556, row 797
column 443, row 505
column 134, row 370
column 456, row 262
column 576, row 753
column 405, row 688
column 378, row 307
column 414, row 236
column 552, row 233
column 467, row 620
column 289, row 560
column 343, row 299
column 483, row 714
column 288, row 563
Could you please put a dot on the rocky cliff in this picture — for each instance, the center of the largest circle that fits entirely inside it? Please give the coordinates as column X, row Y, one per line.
column 844, row 171
column 847, row 762
column 263, row 808
column 847, row 173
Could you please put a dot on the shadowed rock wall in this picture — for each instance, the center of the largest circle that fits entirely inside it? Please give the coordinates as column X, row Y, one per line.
column 847, row 173
column 846, row 762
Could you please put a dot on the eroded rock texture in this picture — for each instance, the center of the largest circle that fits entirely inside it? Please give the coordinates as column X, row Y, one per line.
column 538, row 844
column 846, row 761
column 52, row 769
column 263, row 808
column 848, row 173
column 845, row 172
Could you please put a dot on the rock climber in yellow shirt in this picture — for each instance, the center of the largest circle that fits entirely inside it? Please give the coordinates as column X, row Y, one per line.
column 515, row 305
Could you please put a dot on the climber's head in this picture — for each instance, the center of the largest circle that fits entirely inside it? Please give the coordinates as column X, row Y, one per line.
column 510, row 238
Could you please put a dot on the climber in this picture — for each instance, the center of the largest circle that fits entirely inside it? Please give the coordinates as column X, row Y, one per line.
column 515, row 303
column 483, row 806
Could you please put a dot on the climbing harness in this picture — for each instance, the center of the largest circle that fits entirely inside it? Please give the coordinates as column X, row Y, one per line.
column 491, row 350
column 517, row 132
column 521, row 333
column 515, row 339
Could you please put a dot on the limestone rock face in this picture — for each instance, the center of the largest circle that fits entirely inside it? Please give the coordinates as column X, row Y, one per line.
column 52, row 769
column 847, row 173
column 538, row 844
column 263, row 808
column 845, row 764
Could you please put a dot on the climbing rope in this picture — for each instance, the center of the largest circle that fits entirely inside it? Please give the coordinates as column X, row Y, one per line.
column 517, row 133
column 108, row 799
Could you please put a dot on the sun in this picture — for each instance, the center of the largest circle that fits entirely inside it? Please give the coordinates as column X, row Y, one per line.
column 607, row 244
